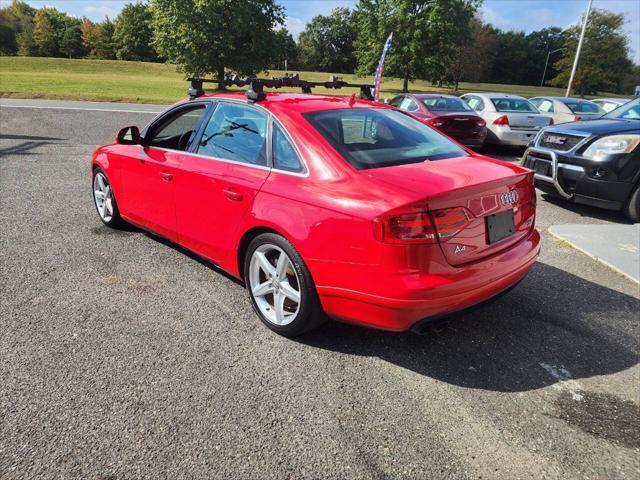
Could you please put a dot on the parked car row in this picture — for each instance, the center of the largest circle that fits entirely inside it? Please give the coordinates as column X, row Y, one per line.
column 497, row 118
column 583, row 151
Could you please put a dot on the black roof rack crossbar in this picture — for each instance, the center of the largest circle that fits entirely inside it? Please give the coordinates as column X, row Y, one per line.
column 255, row 92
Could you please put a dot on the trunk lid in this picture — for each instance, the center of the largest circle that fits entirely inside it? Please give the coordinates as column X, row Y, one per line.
column 483, row 186
column 588, row 116
column 459, row 122
column 527, row 121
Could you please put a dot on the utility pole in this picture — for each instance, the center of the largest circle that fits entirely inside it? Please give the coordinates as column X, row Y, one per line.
column 575, row 61
column 544, row 72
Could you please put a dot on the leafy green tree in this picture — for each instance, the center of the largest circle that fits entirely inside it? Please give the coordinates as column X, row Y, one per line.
column 44, row 34
column 24, row 41
column 133, row 35
column 16, row 26
column 90, row 32
column 423, row 35
column 326, row 44
column 210, row 36
column 604, row 62
column 472, row 62
column 630, row 81
column 71, row 44
column 512, row 56
column 8, row 45
column 286, row 49
column 104, row 48
column 449, row 32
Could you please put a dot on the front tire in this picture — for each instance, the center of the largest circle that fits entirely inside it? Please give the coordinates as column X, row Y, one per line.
column 632, row 209
column 104, row 200
column 280, row 286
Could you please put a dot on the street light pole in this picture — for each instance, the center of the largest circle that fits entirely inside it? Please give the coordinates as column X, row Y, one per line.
column 544, row 73
column 575, row 61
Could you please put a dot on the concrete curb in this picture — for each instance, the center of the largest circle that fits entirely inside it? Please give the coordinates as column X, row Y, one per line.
column 595, row 257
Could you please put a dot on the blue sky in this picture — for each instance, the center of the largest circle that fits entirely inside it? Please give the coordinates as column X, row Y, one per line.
column 527, row 15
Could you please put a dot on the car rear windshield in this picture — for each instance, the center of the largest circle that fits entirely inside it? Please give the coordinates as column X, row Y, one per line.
column 446, row 105
column 582, row 107
column 380, row 137
column 513, row 105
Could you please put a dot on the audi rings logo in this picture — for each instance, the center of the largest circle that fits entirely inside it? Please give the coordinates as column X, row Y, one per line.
column 509, row 197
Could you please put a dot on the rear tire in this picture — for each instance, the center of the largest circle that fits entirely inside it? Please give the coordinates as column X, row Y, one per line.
column 280, row 286
column 104, row 200
column 632, row 208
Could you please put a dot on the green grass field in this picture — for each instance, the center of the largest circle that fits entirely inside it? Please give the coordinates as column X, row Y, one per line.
column 117, row 81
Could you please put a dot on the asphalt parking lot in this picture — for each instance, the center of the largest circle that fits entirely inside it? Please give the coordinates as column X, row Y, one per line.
column 122, row 356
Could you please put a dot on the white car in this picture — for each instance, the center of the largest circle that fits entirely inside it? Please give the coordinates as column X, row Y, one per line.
column 511, row 120
column 609, row 104
column 566, row 109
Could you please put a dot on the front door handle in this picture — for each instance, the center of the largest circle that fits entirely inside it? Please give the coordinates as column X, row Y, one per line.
column 166, row 176
column 232, row 194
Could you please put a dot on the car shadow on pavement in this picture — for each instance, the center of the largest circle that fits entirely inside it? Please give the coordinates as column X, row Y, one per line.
column 26, row 144
column 587, row 211
column 552, row 321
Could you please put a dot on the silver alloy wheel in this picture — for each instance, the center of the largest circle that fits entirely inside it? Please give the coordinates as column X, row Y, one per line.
column 103, row 196
column 274, row 284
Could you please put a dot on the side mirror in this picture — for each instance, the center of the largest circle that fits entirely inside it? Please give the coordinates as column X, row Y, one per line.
column 128, row 136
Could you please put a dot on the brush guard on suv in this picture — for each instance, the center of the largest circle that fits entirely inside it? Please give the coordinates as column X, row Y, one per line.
column 534, row 155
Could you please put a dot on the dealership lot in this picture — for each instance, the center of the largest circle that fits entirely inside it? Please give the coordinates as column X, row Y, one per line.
column 122, row 356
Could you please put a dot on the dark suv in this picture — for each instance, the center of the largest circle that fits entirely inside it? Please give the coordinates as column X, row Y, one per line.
column 594, row 162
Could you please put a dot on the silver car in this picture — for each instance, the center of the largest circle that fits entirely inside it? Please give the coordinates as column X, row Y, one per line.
column 609, row 104
column 565, row 109
column 511, row 120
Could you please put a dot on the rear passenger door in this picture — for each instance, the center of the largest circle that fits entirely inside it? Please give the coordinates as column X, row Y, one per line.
column 220, row 177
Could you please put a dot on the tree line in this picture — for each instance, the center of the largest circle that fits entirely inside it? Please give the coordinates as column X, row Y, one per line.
column 444, row 41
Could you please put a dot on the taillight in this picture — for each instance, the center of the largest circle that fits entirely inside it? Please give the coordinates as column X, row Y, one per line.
column 451, row 221
column 577, row 118
column 503, row 120
column 435, row 122
column 417, row 227
column 550, row 120
column 413, row 227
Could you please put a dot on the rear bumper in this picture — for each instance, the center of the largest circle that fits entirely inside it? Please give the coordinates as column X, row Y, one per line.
column 490, row 277
column 468, row 139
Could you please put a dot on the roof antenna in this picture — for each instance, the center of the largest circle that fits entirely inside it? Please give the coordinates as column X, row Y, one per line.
column 352, row 99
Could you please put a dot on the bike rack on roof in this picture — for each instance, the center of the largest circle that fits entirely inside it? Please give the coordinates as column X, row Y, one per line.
column 255, row 92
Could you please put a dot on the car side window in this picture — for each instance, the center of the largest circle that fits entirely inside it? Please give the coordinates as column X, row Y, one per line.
column 175, row 131
column 235, row 132
column 284, row 155
column 408, row 105
column 396, row 102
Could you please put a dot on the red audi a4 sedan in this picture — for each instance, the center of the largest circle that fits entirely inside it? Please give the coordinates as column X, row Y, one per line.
column 325, row 207
column 448, row 113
